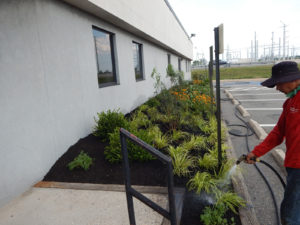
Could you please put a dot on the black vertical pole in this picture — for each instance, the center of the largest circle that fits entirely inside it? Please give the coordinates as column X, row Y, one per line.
column 127, row 180
column 218, row 96
column 172, row 208
column 210, row 71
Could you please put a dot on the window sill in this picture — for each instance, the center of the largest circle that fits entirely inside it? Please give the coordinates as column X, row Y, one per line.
column 108, row 84
column 141, row 79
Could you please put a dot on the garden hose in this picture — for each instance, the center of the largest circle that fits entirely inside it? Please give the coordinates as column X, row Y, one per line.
column 244, row 157
column 248, row 133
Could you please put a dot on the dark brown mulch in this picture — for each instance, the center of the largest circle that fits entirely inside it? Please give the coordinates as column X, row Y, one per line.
column 150, row 173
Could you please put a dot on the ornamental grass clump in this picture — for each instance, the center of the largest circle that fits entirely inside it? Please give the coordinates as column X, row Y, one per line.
column 231, row 200
column 208, row 161
column 140, row 120
column 202, row 182
column 195, row 142
column 160, row 140
column 181, row 160
column 177, row 135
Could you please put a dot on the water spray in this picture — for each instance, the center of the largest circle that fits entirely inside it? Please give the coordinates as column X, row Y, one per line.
column 243, row 158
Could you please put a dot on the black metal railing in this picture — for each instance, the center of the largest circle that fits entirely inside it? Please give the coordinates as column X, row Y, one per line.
column 171, row 214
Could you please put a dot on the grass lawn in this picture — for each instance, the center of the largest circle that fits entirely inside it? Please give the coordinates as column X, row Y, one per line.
column 263, row 71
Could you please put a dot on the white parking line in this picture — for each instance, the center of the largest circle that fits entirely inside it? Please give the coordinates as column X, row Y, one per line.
column 262, row 100
column 260, row 94
column 267, row 125
column 249, row 89
column 263, row 109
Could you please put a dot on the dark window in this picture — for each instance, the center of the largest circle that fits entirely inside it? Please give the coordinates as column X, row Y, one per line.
column 137, row 60
column 186, row 66
column 169, row 59
column 179, row 64
column 105, row 57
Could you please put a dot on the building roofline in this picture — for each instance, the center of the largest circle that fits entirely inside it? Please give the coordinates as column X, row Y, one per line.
column 173, row 12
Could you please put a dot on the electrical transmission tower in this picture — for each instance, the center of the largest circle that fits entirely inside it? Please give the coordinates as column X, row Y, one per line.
column 284, row 40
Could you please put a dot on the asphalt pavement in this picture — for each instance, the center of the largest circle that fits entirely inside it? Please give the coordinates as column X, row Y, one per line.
column 264, row 106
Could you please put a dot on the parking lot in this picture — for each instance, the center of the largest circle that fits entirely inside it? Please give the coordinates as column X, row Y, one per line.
column 263, row 104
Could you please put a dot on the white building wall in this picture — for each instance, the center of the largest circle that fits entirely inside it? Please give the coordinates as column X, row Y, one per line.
column 152, row 19
column 49, row 91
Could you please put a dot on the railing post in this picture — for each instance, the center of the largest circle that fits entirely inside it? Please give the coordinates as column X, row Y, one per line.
column 127, row 180
column 172, row 208
column 131, row 192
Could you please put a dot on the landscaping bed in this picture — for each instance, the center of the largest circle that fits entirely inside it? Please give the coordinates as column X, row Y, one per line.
column 150, row 173
column 179, row 122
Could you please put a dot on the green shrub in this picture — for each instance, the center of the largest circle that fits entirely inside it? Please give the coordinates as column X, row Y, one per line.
column 82, row 161
column 107, row 122
column 153, row 114
column 215, row 216
column 143, row 108
column 168, row 103
column 112, row 152
column 135, row 153
column 153, row 102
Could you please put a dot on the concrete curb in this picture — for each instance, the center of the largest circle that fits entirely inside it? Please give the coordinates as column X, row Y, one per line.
column 279, row 155
column 243, row 111
column 100, row 187
column 235, row 102
column 229, row 95
column 247, row 214
column 259, row 131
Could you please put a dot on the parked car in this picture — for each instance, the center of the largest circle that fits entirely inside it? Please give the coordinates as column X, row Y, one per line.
column 221, row 62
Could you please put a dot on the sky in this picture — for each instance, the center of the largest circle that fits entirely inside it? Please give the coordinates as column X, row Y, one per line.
column 241, row 20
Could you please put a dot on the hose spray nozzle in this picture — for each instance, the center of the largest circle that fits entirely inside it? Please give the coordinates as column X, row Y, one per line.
column 244, row 157
column 241, row 159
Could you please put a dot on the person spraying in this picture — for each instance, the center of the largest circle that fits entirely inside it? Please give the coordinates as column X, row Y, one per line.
column 286, row 78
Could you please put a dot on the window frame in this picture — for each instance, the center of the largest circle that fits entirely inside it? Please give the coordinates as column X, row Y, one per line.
column 186, row 66
column 169, row 58
column 179, row 64
column 113, row 57
column 141, row 61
